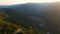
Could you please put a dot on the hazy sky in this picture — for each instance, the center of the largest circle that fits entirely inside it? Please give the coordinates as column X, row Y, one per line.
column 11, row 2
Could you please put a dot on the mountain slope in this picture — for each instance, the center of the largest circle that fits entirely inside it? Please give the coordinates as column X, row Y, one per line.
column 10, row 27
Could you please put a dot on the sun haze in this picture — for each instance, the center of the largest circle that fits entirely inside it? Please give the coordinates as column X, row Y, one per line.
column 11, row 2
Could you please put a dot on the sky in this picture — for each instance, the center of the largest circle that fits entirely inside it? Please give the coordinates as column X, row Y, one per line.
column 12, row 2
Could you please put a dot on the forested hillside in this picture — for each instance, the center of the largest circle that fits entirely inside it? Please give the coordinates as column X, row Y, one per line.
column 7, row 27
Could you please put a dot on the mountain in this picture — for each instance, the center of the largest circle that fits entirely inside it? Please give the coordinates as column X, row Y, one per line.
column 25, row 15
column 38, row 15
column 12, row 21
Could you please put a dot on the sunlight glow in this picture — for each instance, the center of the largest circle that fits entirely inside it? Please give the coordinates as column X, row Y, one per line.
column 11, row 2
